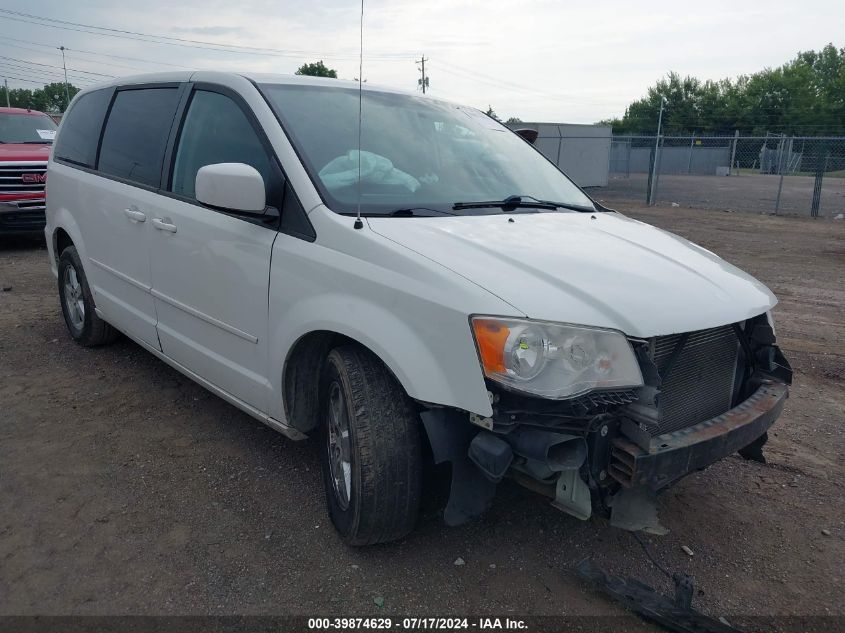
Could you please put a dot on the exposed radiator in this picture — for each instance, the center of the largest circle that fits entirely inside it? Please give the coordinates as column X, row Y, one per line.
column 700, row 382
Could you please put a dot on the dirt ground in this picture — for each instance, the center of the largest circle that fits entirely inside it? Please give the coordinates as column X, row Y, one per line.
column 740, row 192
column 127, row 489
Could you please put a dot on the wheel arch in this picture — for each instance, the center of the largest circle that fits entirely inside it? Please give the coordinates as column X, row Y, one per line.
column 425, row 373
column 61, row 240
column 301, row 377
column 66, row 233
column 302, row 370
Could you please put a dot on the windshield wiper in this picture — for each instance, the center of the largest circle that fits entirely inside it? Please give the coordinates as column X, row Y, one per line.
column 524, row 202
column 36, row 143
column 405, row 212
column 421, row 211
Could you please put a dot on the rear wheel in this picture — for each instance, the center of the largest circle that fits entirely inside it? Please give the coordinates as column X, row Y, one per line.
column 371, row 449
column 82, row 322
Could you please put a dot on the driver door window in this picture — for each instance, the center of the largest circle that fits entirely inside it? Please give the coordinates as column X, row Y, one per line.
column 216, row 130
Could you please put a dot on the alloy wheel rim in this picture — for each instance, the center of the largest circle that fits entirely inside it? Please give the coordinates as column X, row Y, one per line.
column 339, row 446
column 74, row 301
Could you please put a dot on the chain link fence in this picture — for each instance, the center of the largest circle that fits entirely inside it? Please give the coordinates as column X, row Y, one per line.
column 764, row 174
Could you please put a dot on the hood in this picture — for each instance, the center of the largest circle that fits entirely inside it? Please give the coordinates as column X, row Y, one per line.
column 601, row 269
column 23, row 152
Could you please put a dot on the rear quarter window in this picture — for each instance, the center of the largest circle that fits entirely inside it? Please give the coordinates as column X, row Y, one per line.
column 80, row 131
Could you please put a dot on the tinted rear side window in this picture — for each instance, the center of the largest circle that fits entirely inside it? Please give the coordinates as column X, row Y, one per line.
column 136, row 134
column 80, row 133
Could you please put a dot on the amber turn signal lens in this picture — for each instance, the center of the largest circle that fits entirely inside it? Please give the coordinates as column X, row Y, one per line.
column 491, row 338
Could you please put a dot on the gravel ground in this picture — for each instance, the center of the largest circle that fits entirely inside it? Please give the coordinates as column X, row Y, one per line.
column 127, row 489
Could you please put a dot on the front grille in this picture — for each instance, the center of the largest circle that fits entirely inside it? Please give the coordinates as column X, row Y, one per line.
column 700, row 382
column 23, row 178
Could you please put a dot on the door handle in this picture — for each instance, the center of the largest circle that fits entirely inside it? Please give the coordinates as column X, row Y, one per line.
column 163, row 225
column 135, row 215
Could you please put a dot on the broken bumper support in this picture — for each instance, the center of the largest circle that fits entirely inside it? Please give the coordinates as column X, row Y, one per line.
column 673, row 455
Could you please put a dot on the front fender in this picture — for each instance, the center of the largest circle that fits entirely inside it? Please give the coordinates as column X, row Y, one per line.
column 437, row 363
column 410, row 311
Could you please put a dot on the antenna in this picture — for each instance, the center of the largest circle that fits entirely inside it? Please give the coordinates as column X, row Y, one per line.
column 358, row 223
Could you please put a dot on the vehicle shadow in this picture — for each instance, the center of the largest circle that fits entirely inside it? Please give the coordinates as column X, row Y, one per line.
column 12, row 243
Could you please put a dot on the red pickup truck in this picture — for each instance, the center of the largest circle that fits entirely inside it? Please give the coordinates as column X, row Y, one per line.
column 25, row 140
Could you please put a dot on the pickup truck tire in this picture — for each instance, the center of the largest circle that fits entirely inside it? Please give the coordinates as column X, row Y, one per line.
column 85, row 327
column 371, row 437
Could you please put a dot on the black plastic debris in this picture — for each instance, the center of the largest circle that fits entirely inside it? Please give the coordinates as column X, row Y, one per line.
column 673, row 614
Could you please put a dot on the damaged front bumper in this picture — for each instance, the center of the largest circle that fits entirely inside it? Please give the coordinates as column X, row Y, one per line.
column 673, row 455
column 609, row 453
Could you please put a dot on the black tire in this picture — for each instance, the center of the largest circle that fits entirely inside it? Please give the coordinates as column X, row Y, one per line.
column 88, row 330
column 385, row 465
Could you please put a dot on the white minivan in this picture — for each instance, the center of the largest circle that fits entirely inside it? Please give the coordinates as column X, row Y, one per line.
column 424, row 286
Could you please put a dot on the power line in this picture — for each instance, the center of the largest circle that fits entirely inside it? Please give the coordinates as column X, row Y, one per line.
column 99, row 54
column 40, row 71
column 38, row 78
column 175, row 41
column 25, row 69
column 500, row 83
column 105, row 63
column 100, row 62
column 161, row 37
column 491, row 79
column 504, row 86
column 85, row 72
column 84, row 61
column 29, row 81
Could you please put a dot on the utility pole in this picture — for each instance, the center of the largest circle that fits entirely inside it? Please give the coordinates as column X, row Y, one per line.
column 652, row 194
column 422, row 82
column 67, row 92
column 6, row 86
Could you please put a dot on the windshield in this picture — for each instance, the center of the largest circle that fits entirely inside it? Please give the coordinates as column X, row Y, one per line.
column 417, row 153
column 26, row 128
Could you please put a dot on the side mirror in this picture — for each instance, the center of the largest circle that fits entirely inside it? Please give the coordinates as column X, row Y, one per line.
column 528, row 134
column 231, row 186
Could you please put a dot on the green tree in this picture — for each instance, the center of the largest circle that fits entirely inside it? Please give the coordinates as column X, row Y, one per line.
column 317, row 69
column 51, row 98
column 804, row 96
column 18, row 97
column 514, row 119
column 491, row 113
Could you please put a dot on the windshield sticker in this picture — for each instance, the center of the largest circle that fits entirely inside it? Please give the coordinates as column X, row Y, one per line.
column 47, row 135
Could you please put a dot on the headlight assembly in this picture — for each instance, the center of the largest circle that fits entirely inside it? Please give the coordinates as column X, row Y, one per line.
column 554, row 360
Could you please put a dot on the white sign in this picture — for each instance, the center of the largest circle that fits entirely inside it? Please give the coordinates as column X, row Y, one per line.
column 47, row 135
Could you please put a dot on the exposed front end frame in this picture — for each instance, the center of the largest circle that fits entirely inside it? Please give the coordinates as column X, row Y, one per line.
column 610, row 452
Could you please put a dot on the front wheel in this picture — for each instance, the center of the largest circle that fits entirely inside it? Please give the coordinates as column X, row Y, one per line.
column 371, row 449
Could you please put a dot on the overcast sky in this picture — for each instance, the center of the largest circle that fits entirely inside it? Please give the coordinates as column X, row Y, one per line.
column 540, row 60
